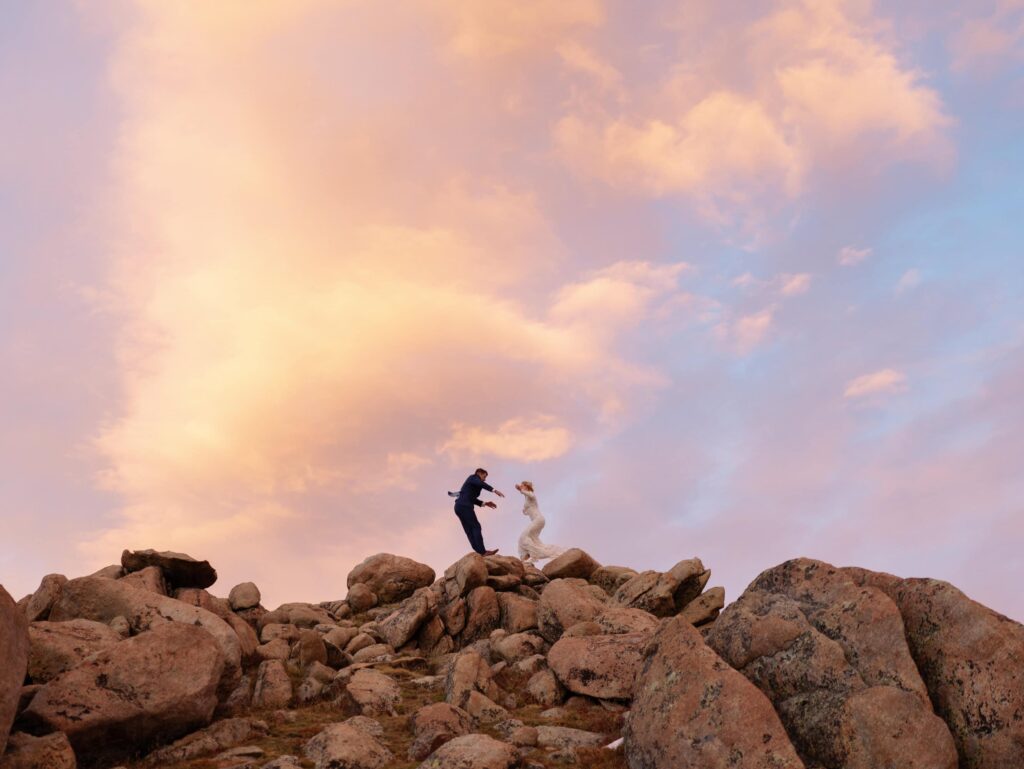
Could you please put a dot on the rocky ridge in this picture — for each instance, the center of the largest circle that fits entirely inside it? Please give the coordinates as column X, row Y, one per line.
column 499, row 665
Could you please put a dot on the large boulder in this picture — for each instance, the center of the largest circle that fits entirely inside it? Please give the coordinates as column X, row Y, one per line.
column 705, row 607
column 273, row 685
column 611, row 578
column 244, row 596
column 52, row 751
column 692, row 709
column 150, row 578
column 602, row 666
column 664, row 594
column 391, row 577
column 373, row 693
column 483, row 614
column 55, row 647
column 435, row 724
column 572, row 563
column 14, row 646
column 563, row 604
column 517, row 646
column 517, row 612
column 972, row 662
column 862, row 619
column 473, row 751
column 468, row 672
column 144, row 691
column 179, row 570
column 616, row 619
column 465, row 574
column 46, row 595
column 399, row 627
column 346, row 746
column 102, row 600
column 833, row 716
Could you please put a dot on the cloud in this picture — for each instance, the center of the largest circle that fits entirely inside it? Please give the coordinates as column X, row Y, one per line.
column 526, row 440
column 986, row 42
column 909, row 280
column 794, row 285
column 850, row 255
column 879, row 382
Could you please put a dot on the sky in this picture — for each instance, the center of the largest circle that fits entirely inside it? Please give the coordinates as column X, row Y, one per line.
column 736, row 280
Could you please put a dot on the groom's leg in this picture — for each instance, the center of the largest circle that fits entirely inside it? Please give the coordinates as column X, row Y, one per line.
column 471, row 526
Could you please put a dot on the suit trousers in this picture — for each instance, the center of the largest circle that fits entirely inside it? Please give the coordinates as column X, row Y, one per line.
column 470, row 524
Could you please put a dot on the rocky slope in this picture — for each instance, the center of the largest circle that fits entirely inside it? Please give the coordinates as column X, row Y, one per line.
column 499, row 665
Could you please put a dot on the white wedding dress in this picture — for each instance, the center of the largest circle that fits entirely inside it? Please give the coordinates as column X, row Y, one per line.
column 530, row 546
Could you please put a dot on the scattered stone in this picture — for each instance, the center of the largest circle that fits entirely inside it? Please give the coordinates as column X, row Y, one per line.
column 545, row 689
column 705, row 607
column 360, row 598
column 603, row 666
column 340, row 636
column 373, row 652
column 143, row 691
column 401, row 626
column 483, row 710
column 374, row 693
column 273, row 685
column 611, row 578
column 561, row 737
column 692, row 709
column 244, row 596
column 391, row 577
column 517, row 646
column 468, row 672
column 473, row 751
column 273, row 631
column 52, row 751
column 283, row 762
column 564, row 603
column 343, row 746
column 14, row 651
column 179, row 570
column 433, row 725
column 517, row 613
column 366, row 724
column 218, row 736
column 572, row 563
column 359, row 642
column 278, row 649
column 311, row 648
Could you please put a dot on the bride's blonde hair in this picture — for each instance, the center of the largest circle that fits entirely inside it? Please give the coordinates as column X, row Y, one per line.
column 527, row 484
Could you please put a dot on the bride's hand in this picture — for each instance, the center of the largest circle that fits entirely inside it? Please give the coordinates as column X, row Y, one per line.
column 498, row 493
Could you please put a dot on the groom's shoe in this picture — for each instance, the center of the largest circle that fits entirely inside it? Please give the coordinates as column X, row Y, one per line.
column 490, row 552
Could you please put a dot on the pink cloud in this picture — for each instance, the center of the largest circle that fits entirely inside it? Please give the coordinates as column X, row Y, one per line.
column 878, row 382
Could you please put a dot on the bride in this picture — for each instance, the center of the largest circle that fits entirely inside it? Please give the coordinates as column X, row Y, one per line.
column 530, row 546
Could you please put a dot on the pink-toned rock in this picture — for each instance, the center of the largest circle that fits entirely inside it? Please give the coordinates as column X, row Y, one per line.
column 517, row 613
column 102, row 600
column 55, row 647
column 545, row 689
column 244, row 596
column 143, row 691
column 361, row 598
column 611, row 578
column 150, row 578
column 391, row 577
column 467, row 573
column 179, row 570
column 310, row 648
column 564, row 603
column 373, row 693
column 52, row 751
column 617, row 619
column 46, row 595
column 483, row 614
column 14, row 649
column 572, row 563
column 972, row 660
column 222, row 734
column 664, row 594
column 473, row 751
column 692, row 709
column 832, row 715
column 399, row 627
column 434, row 725
column 345, row 746
column 273, row 686
column 705, row 607
column 453, row 615
column 517, row 646
column 468, row 672
column 278, row 649
column 603, row 666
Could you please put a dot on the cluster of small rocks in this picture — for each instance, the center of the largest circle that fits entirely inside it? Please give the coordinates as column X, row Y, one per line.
column 813, row 666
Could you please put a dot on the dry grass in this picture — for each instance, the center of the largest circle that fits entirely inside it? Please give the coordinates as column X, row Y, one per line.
column 288, row 738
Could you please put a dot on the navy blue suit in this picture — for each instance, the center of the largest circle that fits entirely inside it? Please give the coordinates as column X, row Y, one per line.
column 469, row 497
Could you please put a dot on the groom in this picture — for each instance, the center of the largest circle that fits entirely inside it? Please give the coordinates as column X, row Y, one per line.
column 468, row 498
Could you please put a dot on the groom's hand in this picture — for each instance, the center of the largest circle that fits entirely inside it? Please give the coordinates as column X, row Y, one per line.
column 498, row 493
column 489, row 504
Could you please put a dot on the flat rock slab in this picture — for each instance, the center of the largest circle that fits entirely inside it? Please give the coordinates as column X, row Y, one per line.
column 603, row 666
column 473, row 751
column 179, row 569
column 144, row 691
column 345, row 746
